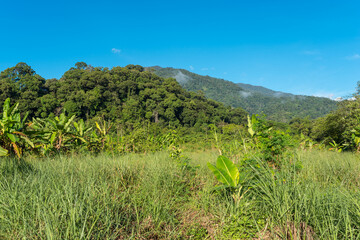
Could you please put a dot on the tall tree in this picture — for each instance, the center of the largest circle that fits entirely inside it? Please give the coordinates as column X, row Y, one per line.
column 23, row 85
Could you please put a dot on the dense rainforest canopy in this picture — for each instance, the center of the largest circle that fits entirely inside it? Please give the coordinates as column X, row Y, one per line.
column 277, row 106
column 126, row 94
column 129, row 96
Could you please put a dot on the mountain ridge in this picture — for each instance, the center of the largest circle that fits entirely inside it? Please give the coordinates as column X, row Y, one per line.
column 277, row 105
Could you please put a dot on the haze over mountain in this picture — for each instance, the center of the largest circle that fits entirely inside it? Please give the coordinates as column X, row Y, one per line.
column 278, row 106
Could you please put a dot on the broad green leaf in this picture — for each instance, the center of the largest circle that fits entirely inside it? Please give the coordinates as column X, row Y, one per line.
column 6, row 108
column 250, row 128
column 53, row 137
column 12, row 137
column 3, row 152
column 28, row 141
column 14, row 108
column 220, row 175
column 225, row 171
column 228, row 168
column 69, row 122
column 81, row 125
column 76, row 125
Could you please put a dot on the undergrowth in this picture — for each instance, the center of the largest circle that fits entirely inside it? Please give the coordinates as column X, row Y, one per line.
column 155, row 196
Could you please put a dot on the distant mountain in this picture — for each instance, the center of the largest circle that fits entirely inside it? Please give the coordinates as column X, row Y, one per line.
column 263, row 90
column 278, row 106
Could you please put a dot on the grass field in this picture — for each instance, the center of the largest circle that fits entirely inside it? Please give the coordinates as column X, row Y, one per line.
column 151, row 196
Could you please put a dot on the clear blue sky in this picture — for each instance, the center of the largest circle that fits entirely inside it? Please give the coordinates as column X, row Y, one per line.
column 301, row 47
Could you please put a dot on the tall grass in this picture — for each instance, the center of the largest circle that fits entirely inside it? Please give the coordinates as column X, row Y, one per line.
column 150, row 197
column 321, row 199
column 88, row 197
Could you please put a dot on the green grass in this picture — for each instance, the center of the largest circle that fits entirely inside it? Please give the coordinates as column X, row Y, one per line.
column 150, row 197
column 322, row 197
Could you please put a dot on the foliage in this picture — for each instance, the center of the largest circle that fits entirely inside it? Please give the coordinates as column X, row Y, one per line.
column 272, row 143
column 126, row 94
column 13, row 137
column 341, row 125
column 182, row 161
column 24, row 86
column 139, row 196
column 277, row 106
column 57, row 133
column 225, row 171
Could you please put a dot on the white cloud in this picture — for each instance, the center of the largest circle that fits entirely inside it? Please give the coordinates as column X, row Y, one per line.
column 353, row 57
column 245, row 94
column 204, row 69
column 310, row 52
column 181, row 78
column 115, row 50
column 191, row 67
column 329, row 94
column 325, row 95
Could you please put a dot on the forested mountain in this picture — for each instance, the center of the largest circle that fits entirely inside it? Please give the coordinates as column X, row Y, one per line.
column 128, row 95
column 276, row 105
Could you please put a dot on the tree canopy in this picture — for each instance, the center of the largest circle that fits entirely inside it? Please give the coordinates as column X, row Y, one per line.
column 126, row 94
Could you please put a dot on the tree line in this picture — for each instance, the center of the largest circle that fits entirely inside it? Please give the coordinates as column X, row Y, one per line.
column 127, row 95
column 138, row 108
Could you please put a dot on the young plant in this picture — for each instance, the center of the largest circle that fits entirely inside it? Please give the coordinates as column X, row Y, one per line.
column 12, row 130
column 81, row 131
column 225, row 172
column 336, row 147
column 100, row 139
column 271, row 143
column 55, row 134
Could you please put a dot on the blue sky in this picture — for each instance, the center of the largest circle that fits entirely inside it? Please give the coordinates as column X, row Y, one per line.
column 301, row 47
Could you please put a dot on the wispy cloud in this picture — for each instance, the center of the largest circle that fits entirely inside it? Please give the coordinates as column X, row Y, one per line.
column 310, row 52
column 191, row 67
column 115, row 50
column 353, row 57
column 325, row 95
column 331, row 95
column 207, row 69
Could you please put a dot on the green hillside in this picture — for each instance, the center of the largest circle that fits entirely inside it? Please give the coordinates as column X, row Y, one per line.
column 128, row 95
column 276, row 105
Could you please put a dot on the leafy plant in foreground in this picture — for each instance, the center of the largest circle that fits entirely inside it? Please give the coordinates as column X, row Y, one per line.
column 55, row 134
column 103, row 140
column 225, row 172
column 336, row 147
column 81, row 131
column 271, row 143
column 182, row 161
column 12, row 130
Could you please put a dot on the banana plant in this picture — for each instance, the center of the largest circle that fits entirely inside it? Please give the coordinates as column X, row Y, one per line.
column 56, row 133
column 336, row 147
column 229, row 175
column 13, row 137
column 99, row 142
column 251, row 122
column 81, row 131
column 104, row 128
column 225, row 172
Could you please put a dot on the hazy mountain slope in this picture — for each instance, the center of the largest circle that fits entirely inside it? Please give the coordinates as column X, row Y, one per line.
column 263, row 90
column 276, row 105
